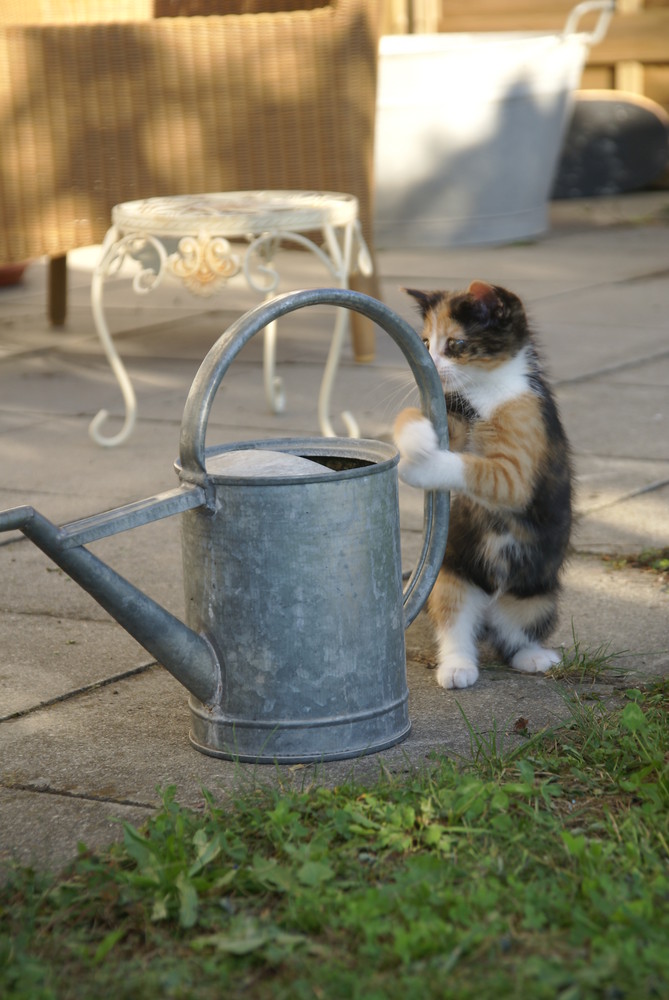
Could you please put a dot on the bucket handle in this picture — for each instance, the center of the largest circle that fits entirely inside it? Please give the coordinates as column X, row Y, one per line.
column 217, row 361
column 606, row 9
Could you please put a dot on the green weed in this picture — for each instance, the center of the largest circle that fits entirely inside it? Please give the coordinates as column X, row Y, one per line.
column 652, row 560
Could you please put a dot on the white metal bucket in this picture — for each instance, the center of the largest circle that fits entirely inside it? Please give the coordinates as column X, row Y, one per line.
column 469, row 129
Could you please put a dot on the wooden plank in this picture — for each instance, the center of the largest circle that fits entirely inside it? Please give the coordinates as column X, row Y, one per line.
column 657, row 84
column 629, row 75
column 641, row 36
column 551, row 8
column 597, row 78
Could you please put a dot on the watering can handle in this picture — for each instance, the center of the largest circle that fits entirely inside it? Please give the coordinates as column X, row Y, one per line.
column 216, row 363
column 606, row 9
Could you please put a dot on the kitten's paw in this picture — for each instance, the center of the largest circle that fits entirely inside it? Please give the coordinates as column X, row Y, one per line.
column 418, row 445
column 535, row 659
column 414, row 435
column 419, row 474
column 457, row 672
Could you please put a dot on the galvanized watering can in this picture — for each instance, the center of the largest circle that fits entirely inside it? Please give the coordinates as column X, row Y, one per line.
column 294, row 644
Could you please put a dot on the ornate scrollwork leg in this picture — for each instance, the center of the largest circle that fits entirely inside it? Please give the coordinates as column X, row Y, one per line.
column 265, row 279
column 114, row 252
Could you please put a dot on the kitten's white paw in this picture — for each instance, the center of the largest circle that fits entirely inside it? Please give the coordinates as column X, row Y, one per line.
column 422, row 475
column 457, row 672
column 416, row 439
column 535, row 659
column 422, row 463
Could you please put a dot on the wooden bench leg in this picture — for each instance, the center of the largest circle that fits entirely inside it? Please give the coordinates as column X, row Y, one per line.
column 362, row 329
column 57, row 290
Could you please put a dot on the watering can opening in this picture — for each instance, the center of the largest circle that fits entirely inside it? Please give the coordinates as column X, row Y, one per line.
column 291, row 460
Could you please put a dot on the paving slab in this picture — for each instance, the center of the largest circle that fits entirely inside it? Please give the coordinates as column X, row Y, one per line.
column 626, row 527
column 602, row 420
column 43, row 830
column 74, row 655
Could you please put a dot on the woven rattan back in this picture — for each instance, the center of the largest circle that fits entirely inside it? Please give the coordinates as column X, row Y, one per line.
column 96, row 111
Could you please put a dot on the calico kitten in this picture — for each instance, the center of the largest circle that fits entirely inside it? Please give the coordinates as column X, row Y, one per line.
column 510, row 469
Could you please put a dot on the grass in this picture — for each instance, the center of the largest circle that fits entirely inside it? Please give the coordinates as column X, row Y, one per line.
column 581, row 664
column 545, row 875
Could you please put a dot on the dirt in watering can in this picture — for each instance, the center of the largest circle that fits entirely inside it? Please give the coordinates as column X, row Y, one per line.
column 337, row 463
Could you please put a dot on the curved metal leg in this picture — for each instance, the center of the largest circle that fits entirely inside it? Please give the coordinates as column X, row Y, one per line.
column 114, row 250
column 97, row 284
column 274, row 391
column 331, row 366
column 337, row 260
column 340, row 257
column 119, row 371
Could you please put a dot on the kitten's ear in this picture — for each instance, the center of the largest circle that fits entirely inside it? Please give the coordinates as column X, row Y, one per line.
column 485, row 293
column 426, row 300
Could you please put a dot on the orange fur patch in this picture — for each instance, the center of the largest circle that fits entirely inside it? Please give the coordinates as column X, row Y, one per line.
column 404, row 417
column 446, row 597
column 505, row 453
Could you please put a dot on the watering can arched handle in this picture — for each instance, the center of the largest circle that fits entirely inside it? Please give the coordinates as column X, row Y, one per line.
column 216, row 363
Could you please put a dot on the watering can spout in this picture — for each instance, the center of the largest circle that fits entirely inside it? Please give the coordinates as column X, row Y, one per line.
column 189, row 657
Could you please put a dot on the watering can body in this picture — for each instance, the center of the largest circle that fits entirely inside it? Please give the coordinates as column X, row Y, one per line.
column 297, row 583
column 293, row 643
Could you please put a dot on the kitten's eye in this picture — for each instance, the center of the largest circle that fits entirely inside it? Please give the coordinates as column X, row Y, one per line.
column 455, row 347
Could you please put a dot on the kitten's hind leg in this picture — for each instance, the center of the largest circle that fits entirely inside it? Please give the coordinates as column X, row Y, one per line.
column 518, row 625
column 456, row 609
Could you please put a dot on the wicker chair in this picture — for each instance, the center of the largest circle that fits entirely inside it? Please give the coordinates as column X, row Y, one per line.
column 104, row 101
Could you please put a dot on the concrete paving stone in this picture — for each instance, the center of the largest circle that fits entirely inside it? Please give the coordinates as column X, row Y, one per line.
column 118, row 743
column 57, row 458
column 626, row 527
column 573, row 261
column 625, row 610
column 149, row 556
column 601, row 420
column 46, row 658
column 53, row 384
column 45, row 384
column 631, row 304
column 42, row 830
column 576, row 353
column 11, row 423
column 605, row 481
column 654, row 372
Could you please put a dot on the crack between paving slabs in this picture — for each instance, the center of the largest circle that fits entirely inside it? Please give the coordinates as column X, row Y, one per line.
column 650, row 488
column 611, row 369
column 43, row 789
column 86, row 689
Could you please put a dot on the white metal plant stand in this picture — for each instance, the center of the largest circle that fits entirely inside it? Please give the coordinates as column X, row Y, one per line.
column 205, row 239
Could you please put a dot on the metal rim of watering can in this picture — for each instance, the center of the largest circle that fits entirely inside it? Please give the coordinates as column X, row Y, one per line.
column 192, row 452
column 382, row 454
